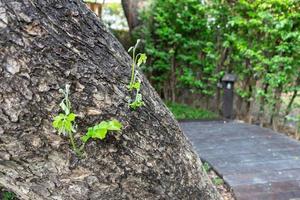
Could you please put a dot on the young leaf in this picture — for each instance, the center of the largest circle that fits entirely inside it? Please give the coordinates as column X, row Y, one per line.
column 142, row 59
column 64, row 107
column 135, row 85
column 99, row 133
column 64, row 123
column 71, row 117
column 136, row 104
column 85, row 138
column 114, row 125
column 57, row 122
column 102, row 125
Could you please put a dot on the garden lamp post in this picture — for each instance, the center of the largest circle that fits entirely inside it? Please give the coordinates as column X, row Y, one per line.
column 228, row 86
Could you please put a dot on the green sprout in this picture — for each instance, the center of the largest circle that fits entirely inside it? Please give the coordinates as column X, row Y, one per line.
column 64, row 123
column 206, row 167
column 218, row 181
column 135, row 82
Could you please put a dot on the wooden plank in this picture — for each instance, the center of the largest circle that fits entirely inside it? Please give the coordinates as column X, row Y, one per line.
column 257, row 163
column 291, row 195
column 262, row 177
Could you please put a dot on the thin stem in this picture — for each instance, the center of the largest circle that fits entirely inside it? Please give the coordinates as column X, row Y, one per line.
column 77, row 151
column 82, row 147
column 132, row 67
column 132, row 74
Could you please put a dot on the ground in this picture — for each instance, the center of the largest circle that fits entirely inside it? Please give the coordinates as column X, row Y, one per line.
column 257, row 163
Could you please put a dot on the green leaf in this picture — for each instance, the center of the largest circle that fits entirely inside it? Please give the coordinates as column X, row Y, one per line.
column 218, row 181
column 135, row 85
column 102, row 125
column 64, row 107
column 114, row 125
column 137, row 103
column 100, row 130
column 142, row 59
column 71, row 117
column 67, row 126
column 99, row 133
column 85, row 138
column 64, row 123
column 57, row 123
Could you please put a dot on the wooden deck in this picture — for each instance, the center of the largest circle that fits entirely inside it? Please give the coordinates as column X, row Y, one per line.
column 258, row 163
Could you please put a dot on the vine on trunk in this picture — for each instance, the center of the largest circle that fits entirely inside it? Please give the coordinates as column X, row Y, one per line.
column 135, row 82
column 65, row 124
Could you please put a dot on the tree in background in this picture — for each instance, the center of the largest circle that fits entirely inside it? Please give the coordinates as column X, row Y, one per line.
column 265, row 42
column 131, row 9
column 178, row 42
column 191, row 44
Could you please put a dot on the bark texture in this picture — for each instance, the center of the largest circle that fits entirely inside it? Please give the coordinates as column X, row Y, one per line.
column 45, row 44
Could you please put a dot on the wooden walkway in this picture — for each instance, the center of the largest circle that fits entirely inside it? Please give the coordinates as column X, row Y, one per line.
column 258, row 163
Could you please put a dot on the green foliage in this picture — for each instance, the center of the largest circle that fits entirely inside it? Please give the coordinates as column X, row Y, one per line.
column 191, row 44
column 138, row 102
column 206, row 167
column 185, row 112
column 178, row 43
column 218, row 181
column 99, row 131
column 135, row 82
column 65, row 123
column 8, row 196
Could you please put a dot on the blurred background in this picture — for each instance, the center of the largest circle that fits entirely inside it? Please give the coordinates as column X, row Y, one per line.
column 192, row 44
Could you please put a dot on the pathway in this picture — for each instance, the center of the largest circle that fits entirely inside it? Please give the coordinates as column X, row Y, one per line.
column 258, row 163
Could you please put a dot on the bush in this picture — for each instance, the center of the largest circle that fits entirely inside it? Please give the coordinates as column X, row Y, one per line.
column 185, row 112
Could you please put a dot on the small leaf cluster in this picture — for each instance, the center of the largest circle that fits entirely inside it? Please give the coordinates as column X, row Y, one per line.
column 218, row 181
column 64, row 123
column 135, row 82
column 206, row 167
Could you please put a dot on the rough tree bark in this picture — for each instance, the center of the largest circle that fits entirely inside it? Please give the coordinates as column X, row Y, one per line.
column 45, row 44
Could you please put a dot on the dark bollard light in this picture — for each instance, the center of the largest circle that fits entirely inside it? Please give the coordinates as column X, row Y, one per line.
column 228, row 86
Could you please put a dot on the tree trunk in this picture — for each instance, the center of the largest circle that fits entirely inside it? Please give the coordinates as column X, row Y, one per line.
column 45, row 44
column 262, row 104
column 173, row 79
column 295, row 92
column 131, row 11
column 220, row 65
column 274, row 119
